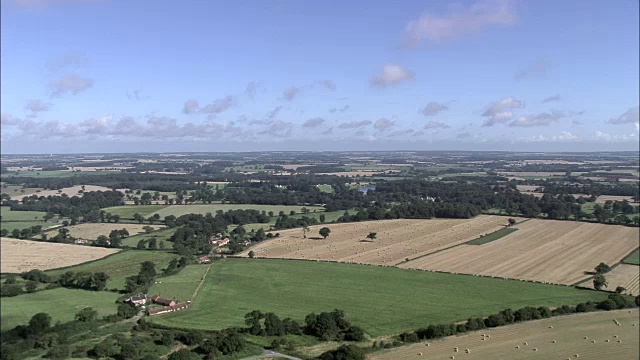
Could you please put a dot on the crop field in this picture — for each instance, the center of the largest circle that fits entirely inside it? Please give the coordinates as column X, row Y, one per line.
column 55, row 173
column 179, row 210
column 603, row 198
column 633, row 258
column 182, row 285
column 61, row 304
column 359, row 173
column 591, row 336
column 69, row 191
column 396, row 240
column 542, row 250
column 10, row 225
column 627, row 276
column 121, row 265
column 91, row 231
column 24, row 255
column 383, row 300
column 127, row 211
column 10, row 215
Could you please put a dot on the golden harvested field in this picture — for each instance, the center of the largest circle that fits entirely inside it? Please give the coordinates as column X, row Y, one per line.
column 542, row 250
column 627, row 276
column 24, row 255
column 591, row 336
column 91, row 231
column 396, row 240
column 70, row 191
column 363, row 173
column 602, row 198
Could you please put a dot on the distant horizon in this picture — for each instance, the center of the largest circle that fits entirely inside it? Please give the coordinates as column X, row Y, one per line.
column 256, row 75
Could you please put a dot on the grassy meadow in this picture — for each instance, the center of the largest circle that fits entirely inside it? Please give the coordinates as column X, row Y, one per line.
column 179, row 210
column 380, row 299
column 182, row 285
column 633, row 258
column 492, row 237
column 127, row 211
column 62, row 304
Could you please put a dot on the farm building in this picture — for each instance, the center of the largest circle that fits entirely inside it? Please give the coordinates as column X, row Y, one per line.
column 246, row 242
column 219, row 242
column 166, row 309
column 203, row 259
column 81, row 241
column 138, row 299
column 156, row 299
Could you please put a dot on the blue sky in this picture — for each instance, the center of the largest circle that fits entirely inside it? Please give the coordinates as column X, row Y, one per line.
column 113, row 76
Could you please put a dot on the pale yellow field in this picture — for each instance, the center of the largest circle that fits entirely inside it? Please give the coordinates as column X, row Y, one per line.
column 542, row 250
column 24, row 255
column 91, row 231
column 625, row 275
column 603, row 198
column 396, row 240
column 579, row 336
column 363, row 173
column 69, row 191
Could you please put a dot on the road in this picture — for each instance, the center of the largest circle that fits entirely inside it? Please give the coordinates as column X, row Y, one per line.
column 271, row 354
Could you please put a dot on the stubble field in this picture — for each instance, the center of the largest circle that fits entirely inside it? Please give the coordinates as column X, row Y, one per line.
column 542, row 250
column 604, row 340
column 627, row 276
column 396, row 240
column 24, row 255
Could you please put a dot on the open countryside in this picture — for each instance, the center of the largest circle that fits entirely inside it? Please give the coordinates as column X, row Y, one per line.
column 235, row 287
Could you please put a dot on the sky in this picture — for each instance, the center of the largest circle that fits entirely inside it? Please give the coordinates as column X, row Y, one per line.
column 253, row 75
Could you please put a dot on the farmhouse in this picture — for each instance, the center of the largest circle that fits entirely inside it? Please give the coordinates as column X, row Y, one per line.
column 246, row 242
column 166, row 309
column 138, row 299
column 219, row 242
column 156, row 299
column 203, row 259
column 81, row 241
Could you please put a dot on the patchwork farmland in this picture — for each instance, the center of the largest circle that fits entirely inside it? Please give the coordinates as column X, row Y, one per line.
column 396, row 240
column 541, row 250
column 24, row 255
column 584, row 336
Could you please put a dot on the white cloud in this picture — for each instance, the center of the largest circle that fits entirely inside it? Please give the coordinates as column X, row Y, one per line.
column 383, row 124
column 629, row 117
column 459, row 21
column 543, row 119
column 436, row 125
column 9, row 120
column 191, row 106
column 501, row 111
column 315, row 122
column 552, row 98
column 291, row 93
column 392, row 74
column 278, row 128
column 433, row 108
column 251, row 89
column 354, row 124
column 327, row 84
column 218, row 106
column 73, row 84
column 36, row 106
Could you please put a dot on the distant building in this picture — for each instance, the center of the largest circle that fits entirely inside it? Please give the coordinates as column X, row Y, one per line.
column 219, row 242
column 82, row 241
column 138, row 299
column 203, row 259
column 165, row 309
column 156, row 299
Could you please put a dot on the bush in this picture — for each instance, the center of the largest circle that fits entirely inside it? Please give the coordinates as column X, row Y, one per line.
column 344, row 352
column 58, row 352
column 409, row 337
column 10, row 290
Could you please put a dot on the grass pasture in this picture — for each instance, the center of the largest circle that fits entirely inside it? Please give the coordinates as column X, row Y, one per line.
column 569, row 332
column 554, row 251
column 493, row 236
column 179, row 210
column 120, row 266
column 396, row 240
column 61, row 304
column 182, row 285
column 10, row 215
column 160, row 235
column 127, row 211
column 383, row 300
column 91, row 231
column 633, row 258
column 24, row 255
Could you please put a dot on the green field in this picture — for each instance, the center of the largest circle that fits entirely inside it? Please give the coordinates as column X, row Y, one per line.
column 633, row 258
column 326, row 188
column 10, row 225
column 127, row 211
column 179, row 210
column 382, row 300
column 330, row 216
column 62, row 304
column 55, row 174
column 121, row 265
column 492, row 237
column 160, row 235
column 182, row 285
column 10, row 215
